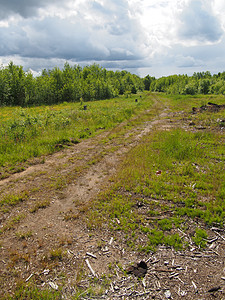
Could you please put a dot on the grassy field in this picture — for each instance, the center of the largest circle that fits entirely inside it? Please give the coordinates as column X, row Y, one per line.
column 26, row 133
column 172, row 176
column 168, row 189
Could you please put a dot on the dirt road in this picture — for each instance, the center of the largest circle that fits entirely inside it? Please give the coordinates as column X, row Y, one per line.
column 46, row 239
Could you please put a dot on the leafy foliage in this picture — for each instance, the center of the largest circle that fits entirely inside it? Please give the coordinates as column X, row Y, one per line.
column 34, row 131
column 199, row 83
column 21, row 88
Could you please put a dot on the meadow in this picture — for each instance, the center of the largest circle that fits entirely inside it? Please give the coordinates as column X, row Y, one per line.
column 173, row 177
column 168, row 191
column 27, row 133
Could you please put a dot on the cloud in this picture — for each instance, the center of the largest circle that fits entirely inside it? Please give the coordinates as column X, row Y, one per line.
column 23, row 8
column 119, row 34
column 198, row 24
column 78, row 37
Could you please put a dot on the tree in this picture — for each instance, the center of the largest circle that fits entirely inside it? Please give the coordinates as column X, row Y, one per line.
column 204, row 85
column 16, row 78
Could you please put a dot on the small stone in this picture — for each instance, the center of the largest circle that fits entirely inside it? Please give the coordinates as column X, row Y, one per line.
column 46, row 271
column 167, row 294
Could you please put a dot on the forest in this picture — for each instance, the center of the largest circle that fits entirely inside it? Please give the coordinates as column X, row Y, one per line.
column 89, row 83
column 71, row 84
column 198, row 83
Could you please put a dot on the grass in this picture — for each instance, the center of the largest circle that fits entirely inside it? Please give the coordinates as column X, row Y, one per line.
column 24, row 235
column 11, row 223
column 171, row 181
column 176, row 175
column 9, row 200
column 200, row 237
column 30, row 291
column 40, row 205
column 26, row 133
column 56, row 254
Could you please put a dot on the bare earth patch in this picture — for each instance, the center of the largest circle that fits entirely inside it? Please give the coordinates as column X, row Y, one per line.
column 45, row 239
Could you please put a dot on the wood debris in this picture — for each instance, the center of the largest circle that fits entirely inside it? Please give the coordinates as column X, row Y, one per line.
column 91, row 255
column 89, row 266
column 214, row 289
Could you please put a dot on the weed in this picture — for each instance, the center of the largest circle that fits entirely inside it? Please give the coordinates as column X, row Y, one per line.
column 65, row 241
column 12, row 222
column 16, row 256
column 188, row 175
column 174, row 241
column 59, row 182
column 56, row 254
column 30, row 291
column 12, row 199
column 157, row 237
column 32, row 132
column 24, row 235
column 40, row 204
column 200, row 237
column 71, row 216
column 165, row 224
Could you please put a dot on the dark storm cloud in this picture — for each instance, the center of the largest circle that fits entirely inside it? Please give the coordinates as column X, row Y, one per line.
column 101, row 31
column 198, row 24
column 24, row 8
column 53, row 37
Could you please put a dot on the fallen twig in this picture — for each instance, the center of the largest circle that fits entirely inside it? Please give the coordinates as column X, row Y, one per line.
column 212, row 240
column 214, row 289
column 173, row 275
column 92, row 255
column 194, row 285
column 31, row 275
column 220, row 235
column 89, row 266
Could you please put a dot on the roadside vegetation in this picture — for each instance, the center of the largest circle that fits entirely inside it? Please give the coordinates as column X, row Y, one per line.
column 27, row 133
column 174, row 179
column 169, row 188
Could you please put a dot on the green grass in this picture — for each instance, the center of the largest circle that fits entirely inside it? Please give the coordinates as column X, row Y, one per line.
column 190, row 185
column 157, row 237
column 8, row 200
column 146, row 206
column 56, row 254
column 40, row 205
column 31, row 132
column 200, row 237
column 30, row 291
column 186, row 102
column 24, row 235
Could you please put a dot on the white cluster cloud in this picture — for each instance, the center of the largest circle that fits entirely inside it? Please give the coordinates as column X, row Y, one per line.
column 158, row 37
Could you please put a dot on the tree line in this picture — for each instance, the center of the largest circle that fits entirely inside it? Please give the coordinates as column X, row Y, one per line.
column 71, row 84
column 198, row 83
column 76, row 83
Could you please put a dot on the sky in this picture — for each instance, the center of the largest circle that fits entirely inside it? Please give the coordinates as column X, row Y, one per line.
column 155, row 37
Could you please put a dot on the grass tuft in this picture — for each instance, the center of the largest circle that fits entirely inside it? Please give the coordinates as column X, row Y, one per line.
column 40, row 205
